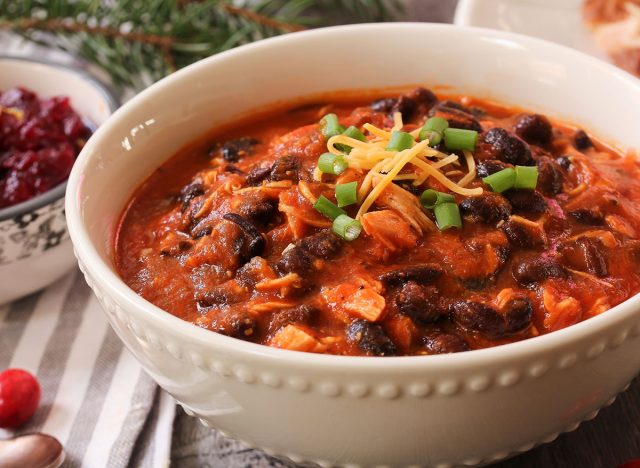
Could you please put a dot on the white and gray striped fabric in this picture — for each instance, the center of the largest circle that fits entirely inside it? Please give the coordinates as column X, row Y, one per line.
column 96, row 398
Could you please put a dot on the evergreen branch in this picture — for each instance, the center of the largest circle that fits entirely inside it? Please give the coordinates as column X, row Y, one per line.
column 262, row 19
column 137, row 42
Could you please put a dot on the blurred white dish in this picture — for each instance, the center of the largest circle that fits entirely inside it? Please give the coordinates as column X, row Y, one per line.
column 558, row 21
column 35, row 249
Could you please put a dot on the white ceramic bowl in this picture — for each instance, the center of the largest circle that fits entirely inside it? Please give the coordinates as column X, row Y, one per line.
column 35, row 249
column 467, row 408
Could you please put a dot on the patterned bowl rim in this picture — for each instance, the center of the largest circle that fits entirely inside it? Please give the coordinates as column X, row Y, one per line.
column 58, row 191
column 136, row 307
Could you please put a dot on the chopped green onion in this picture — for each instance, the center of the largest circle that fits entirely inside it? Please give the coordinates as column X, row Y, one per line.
column 324, row 206
column 329, row 126
column 460, row 139
column 351, row 132
column 447, row 216
column 502, row 180
column 347, row 227
column 434, row 137
column 355, row 133
column 400, row 141
column 526, row 177
column 332, row 164
column 346, row 194
column 433, row 129
column 431, row 198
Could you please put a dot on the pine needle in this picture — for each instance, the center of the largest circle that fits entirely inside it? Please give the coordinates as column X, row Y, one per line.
column 139, row 41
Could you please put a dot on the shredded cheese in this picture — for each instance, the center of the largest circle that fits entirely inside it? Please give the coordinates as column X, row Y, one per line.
column 383, row 166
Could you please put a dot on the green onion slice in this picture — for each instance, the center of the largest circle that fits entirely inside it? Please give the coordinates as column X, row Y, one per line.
column 351, row 132
column 332, row 164
column 447, row 216
column 329, row 126
column 502, row 180
column 433, row 129
column 324, row 206
column 400, row 141
column 526, row 177
column 460, row 139
column 346, row 194
column 432, row 198
column 347, row 227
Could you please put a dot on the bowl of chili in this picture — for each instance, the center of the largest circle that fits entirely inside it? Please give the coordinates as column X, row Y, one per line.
column 47, row 112
column 357, row 406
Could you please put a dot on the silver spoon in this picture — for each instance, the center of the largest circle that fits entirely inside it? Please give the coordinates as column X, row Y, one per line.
column 33, row 450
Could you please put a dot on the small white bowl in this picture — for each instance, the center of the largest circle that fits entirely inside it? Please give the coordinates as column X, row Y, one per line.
column 35, row 249
column 470, row 408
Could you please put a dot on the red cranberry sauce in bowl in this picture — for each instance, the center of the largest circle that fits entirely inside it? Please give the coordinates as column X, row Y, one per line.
column 40, row 139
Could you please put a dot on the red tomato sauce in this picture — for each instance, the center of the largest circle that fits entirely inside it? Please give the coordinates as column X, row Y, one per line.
column 225, row 235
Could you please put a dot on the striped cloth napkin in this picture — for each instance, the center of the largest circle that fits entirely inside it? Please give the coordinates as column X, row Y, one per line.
column 96, row 399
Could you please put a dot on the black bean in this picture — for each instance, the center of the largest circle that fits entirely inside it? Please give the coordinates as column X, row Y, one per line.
column 416, row 102
column 590, row 216
column 456, row 105
column 533, row 270
column 456, row 117
column 235, row 324
column 409, row 187
column 487, row 208
column 550, row 176
column 479, row 317
column 285, row 168
column 299, row 258
column 383, row 105
column 526, row 201
column 585, row 254
column 219, row 295
column 423, row 97
column 406, row 106
column 301, row 314
column 234, row 150
column 508, row 147
column 233, row 169
column 518, row 314
column 421, row 274
column 534, row 128
column 201, row 231
column 522, row 235
column 189, row 192
column 444, row 343
column 295, row 260
column 325, row 244
column 582, row 141
column 564, row 162
column 257, row 174
column 371, row 338
column 251, row 272
column 253, row 243
column 258, row 209
column 490, row 166
column 421, row 303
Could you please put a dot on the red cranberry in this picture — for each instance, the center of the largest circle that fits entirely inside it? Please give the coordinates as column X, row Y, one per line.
column 19, row 397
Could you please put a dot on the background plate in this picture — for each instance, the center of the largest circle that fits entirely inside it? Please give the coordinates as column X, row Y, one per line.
column 554, row 20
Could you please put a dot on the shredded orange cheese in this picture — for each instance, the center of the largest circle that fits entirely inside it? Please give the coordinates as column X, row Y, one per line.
column 371, row 156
